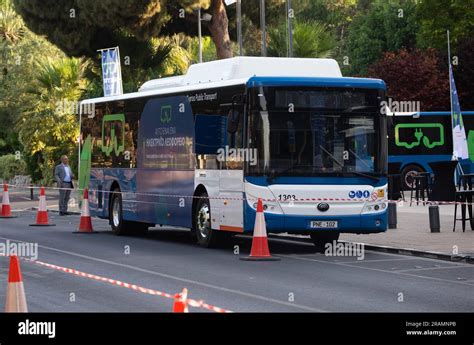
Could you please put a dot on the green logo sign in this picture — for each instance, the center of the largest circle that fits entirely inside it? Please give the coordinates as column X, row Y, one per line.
column 111, row 141
column 165, row 114
column 418, row 135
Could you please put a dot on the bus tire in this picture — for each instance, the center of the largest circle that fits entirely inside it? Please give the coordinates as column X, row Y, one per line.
column 407, row 175
column 115, row 214
column 205, row 236
column 321, row 238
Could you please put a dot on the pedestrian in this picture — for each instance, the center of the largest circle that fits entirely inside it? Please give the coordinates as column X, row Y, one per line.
column 63, row 175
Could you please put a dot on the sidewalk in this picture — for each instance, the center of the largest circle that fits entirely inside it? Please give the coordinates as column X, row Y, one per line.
column 413, row 232
column 20, row 200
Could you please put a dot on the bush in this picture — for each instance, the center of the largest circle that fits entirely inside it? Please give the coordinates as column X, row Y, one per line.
column 11, row 166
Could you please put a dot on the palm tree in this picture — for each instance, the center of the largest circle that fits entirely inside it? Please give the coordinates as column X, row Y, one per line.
column 310, row 40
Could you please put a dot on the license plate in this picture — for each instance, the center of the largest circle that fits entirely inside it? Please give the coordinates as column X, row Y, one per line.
column 323, row 224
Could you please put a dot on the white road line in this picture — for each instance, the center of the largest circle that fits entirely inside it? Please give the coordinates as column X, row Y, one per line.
column 164, row 275
column 377, row 260
column 436, row 268
column 374, row 269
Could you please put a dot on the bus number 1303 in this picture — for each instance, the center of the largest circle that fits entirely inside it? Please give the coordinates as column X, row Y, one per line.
column 286, row 197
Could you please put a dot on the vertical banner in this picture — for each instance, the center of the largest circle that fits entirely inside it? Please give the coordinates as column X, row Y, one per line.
column 111, row 71
column 460, row 150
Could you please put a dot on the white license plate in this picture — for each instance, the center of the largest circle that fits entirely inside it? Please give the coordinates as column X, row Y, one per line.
column 323, row 224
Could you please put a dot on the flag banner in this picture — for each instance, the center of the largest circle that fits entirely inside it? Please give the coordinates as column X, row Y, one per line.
column 111, row 72
column 460, row 150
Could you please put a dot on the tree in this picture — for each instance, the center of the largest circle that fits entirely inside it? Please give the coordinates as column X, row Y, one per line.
column 310, row 40
column 464, row 71
column 385, row 26
column 414, row 76
column 47, row 129
column 80, row 27
column 438, row 16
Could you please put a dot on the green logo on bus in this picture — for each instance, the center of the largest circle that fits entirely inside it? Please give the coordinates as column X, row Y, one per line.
column 110, row 140
column 418, row 135
column 165, row 114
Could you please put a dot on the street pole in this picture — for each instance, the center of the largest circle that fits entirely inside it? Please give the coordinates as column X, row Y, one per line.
column 290, row 28
column 199, row 34
column 239, row 27
column 262, row 27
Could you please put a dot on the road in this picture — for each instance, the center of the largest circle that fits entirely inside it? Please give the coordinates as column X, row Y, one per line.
column 166, row 260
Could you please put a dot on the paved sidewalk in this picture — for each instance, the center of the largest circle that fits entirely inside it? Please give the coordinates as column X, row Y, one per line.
column 20, row 200
column 413, row 232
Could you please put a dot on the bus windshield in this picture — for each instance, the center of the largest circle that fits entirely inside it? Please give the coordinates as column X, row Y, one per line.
column 317, row 132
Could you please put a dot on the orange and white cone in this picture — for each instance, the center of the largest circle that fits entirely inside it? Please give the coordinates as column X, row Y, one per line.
column 85, row 224
column 42, row 215
column 180, row 304
column 260, row 251
column 6, row 208
column 16, row 300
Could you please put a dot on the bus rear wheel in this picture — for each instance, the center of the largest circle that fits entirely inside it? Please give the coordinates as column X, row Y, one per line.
column 408, row 174
column 322, row 238
column 115, row 214
column 205, row 236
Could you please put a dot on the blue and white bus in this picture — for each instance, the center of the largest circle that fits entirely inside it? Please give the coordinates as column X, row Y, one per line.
column 198, row 150
column 417, row 139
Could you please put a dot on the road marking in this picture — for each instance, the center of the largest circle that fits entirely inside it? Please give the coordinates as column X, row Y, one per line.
column 436, row 268
column 374, row 269
column 376, row 260
column 189, row 281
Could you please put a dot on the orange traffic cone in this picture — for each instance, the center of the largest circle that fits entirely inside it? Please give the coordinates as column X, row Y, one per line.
column 42, row 215
column 180, row 304
column 6, row 209
column 85, row 225
column 260, row 251
column 16, row 300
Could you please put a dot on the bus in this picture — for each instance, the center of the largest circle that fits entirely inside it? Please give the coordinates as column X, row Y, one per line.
column 417, row 139
column 199, row 150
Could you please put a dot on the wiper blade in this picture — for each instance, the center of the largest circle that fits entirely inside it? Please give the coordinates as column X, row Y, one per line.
column 375, row 178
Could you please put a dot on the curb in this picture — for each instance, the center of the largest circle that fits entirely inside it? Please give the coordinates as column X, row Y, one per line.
column 56, row 211
column 394, row 250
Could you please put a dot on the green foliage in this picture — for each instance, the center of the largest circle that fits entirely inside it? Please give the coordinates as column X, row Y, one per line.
column 47, row 129
column 310, row 40
column 386, row 26
column 10, row 166
column 438, row 16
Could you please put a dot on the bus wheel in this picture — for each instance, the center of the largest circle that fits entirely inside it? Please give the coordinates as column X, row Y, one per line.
column 115, row 215
column 202, row 223
column 408, row 173
column 322, row 238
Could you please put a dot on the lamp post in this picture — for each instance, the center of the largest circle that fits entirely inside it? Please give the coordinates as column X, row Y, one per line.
column 262, row 27
column 206, row 18
column 239, row 21
column 290, row 28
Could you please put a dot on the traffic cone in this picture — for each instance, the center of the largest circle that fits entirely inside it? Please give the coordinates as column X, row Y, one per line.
column 85, row 224
column 16, row 300
column 6, row 209
column 42, row 215
column 180, row 304
column 260, row 251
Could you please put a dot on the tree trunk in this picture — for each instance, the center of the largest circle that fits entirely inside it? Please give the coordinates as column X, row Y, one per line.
column 219, row 28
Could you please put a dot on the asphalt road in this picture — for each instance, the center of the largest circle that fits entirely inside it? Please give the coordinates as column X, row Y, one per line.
column 167, row 260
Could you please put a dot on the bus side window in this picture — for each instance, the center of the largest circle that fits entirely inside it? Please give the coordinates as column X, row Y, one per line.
column 235, row 141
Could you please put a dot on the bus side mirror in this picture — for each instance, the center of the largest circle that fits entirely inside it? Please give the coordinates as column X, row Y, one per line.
column 233, row 119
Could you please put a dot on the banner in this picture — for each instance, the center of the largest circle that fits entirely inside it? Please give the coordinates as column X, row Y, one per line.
column 460, row 150
column 111, row 72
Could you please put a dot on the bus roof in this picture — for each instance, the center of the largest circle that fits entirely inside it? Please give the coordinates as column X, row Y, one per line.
column 238, row 71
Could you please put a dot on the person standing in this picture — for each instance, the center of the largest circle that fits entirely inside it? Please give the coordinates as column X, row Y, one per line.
column 63, row 175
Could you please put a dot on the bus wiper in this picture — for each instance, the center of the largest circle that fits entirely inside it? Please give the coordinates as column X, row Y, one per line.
column 375, row 178
column 361, row 107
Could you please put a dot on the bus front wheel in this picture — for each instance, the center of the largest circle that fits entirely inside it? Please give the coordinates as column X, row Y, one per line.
column 115, row 215
column 205, row 236
column 323, row 238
